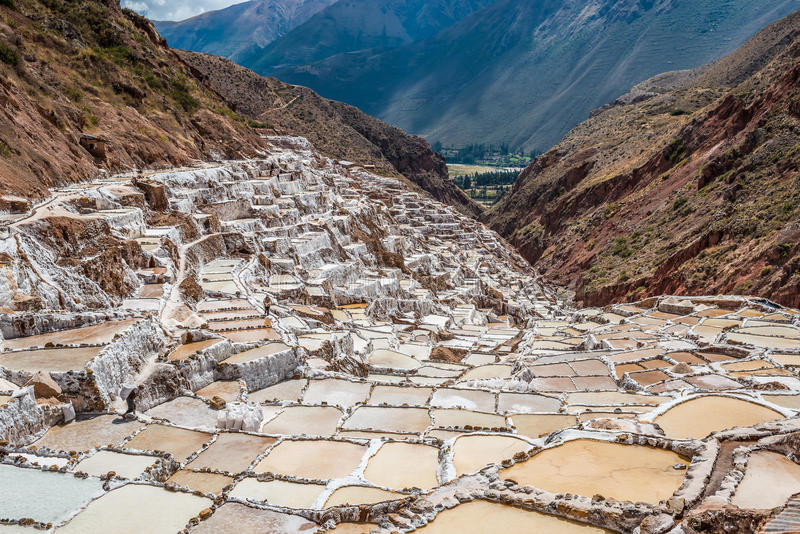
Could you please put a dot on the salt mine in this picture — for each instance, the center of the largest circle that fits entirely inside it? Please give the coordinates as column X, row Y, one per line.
column 294, row 344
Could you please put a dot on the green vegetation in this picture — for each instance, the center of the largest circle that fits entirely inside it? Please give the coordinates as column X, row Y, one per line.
column 8, row 55
column 487, row 187
column 676, row 152
column 5, row 150
column 480, row 154
column 678, row 112
column 11, row 4
column 180, row 91
column 679, row 203
column 621, row 248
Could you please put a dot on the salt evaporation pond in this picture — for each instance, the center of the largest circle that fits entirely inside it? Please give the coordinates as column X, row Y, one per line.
column 471, row 453
column 87, row 434
column 124, row 465
column 132, row 509
column 307, row 420
column 44, row 496
column 482, row 517
column 355, row 495
column 318, row 460
column 61, row 359
column 700, row 416
column 201, row 481
column 178, row 442
column 235, row 518
column 231, row 452
column 769, row 480
column 419, row 466
column 278, row 492
column 99, row 334
column 591, row 467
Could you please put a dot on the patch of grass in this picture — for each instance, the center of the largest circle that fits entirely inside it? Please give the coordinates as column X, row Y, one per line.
column 621, row 248
column 255, row 124
column 766, row 271
column 5, row 150
column 74, row 94
column 181, row 93
column 8, row 55
column 676, row 152
column 787, row 208
column 679, row 203
column 678, row 112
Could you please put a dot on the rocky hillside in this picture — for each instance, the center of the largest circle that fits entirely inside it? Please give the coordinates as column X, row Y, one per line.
column 240, row 27
column 69, row 68
column 687, row 184
column 338, row 130
column 516, row 72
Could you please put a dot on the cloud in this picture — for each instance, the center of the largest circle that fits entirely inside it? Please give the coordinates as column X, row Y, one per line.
column 175, row 9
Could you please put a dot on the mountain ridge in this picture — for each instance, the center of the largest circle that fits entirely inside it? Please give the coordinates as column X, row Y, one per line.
column 689, row 189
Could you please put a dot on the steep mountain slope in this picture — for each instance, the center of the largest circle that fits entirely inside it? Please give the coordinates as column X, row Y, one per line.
column 355, row 25
column 337, row 130
column 69, row 68
column 523, row 73
column 688, row 184
column 227, row 32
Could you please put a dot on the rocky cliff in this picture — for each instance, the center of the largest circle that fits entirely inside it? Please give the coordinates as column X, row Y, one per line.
column 689, row 184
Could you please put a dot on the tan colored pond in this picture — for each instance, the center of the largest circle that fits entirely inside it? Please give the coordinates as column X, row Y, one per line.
column 87, row 434
column 308, row 420
column 235, row 518
column 538, row 425
column 61, row 359
column 402, row 420
column 471, row 453
column 256, row 353
column 99, row 334
column 120, row 512
column 252, row 335
column 228, row 390
column 526, row 403
column 483, row 517
column 588, row 467
column 178, row 442
column 318, row 460
column 278, row 492
column 392, row 360
column 463, row 418
column 404, row 465
column 238, row 324
column 699, row 417
column 202, row 482
column 232, row 452
column 470, row 399
column 769, row 480
column 767, row 342
column 124, row 465
column 354, row 495
column 787, row 401
column 184, row 351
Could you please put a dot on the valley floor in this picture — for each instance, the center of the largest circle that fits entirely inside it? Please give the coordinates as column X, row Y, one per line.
column 317, row 348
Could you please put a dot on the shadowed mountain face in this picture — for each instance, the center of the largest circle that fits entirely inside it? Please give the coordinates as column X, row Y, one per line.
column 687, row 184
column 230, row 31
column 514, row 72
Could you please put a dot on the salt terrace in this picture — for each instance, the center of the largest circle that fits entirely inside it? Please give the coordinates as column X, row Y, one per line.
column 322, row 349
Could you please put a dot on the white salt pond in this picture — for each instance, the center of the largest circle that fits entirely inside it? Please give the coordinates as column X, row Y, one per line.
column 124, row 465
column 131, row 509
column 316, row 460
column 42, row 495
column 471, row 453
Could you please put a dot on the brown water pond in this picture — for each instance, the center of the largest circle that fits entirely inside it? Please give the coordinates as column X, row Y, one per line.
column 589, row 467
column 404, row 465
column 482, row 517
column 699, row 417
column 318, row 460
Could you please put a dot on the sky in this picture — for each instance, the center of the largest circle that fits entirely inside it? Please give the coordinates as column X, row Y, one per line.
column 175, row 9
